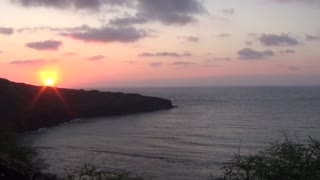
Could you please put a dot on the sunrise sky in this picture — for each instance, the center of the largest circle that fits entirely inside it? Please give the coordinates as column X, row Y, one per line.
column 119, row 43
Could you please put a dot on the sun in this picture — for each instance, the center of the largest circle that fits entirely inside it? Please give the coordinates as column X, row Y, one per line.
column 48, row 78
column 49, row 82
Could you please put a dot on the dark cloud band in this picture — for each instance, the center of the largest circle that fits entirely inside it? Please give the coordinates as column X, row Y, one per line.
column 178, row 12
column 6, row 30
column 278, row 40
column 251, row 54
column 52, row 45
column 71, row 4
column 108, row 34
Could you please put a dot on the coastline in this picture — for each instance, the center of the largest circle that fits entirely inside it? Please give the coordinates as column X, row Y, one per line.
column 27, row 107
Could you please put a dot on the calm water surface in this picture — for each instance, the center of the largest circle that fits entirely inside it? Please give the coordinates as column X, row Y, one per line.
column 187, row 142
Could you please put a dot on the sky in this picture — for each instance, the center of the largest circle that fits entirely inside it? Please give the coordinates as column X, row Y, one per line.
column 152, row 43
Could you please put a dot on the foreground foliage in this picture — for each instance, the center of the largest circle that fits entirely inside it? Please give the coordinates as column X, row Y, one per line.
column 287, row 160
column 91, row 172
column 11, row 150
column 17, row 161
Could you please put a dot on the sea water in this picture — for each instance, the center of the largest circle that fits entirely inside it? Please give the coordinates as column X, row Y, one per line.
column 190, row 141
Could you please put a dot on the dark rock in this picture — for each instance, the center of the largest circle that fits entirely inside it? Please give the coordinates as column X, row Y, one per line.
column 26, row 107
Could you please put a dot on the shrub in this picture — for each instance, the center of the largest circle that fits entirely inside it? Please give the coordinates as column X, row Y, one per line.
column 287, row 160
column 10, row 149
column 91, row 172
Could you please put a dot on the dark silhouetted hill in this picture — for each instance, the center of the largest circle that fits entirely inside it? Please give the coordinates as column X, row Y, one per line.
column 26, row 107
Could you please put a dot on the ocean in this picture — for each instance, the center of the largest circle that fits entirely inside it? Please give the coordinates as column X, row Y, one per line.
column 189, row 142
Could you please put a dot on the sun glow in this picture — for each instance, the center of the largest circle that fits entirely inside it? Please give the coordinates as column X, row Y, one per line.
column 48, row 78
column 49, row 82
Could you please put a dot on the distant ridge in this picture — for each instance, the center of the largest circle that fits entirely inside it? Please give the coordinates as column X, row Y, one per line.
column 26, row 107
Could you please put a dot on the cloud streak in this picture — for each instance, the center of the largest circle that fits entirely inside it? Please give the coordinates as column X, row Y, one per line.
column 70, row 54
column 251, row 54
column 278, row 40
column 310, row 37
column 103, row 34
column 6, row 30
column 182, row 63
column 166, row 54
column 307, row 2
column 96, row 58
column 72, row 4
column 109, row 34
column 287, row 51
column 192, row 39
column 52, row 45
column 179, row 12
column 156, row 64
column 30, row 62
column 128, row 21
column 222, row 59
column 224, row 35
column 228, row 12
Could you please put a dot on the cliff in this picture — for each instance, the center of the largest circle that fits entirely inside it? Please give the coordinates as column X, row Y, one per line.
column 26, row 107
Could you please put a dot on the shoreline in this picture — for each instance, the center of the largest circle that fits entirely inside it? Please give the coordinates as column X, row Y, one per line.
column 27, row 107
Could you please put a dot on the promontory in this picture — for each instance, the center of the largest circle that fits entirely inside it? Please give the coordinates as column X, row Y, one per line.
column 26, row 107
